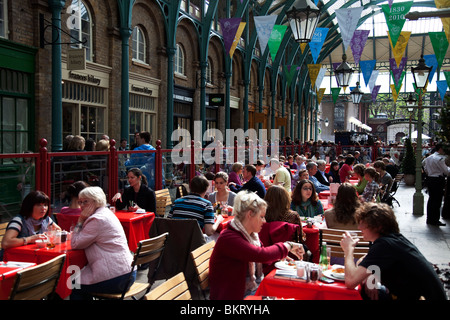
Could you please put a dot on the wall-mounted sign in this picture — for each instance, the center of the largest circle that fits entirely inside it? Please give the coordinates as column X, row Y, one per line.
column 216, row 99
column 76, row 59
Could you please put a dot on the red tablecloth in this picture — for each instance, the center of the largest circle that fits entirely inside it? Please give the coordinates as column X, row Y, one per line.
column 7, row 277
column 324, row 194
column 135, row 225
column 293, row 289
column 31, row 253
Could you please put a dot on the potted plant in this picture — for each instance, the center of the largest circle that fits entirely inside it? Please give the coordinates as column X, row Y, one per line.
column 408, row 166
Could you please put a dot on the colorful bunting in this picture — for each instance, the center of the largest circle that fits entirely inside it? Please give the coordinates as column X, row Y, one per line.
column 320, row 77
column 431, row 61
column 440, row 45
column 313, row 73
column 375, row 91
column 395, row 92
column 442, row 88
column 229, row 28
column 303, row 46
column 335, row 93
column 447, row 77
column 320, row 93
column 400, row 47
column 373, row 79
column 367, row 67
column 316, row 43
column 276, row 36
column 395, row 18
column 290, row 71
column 348, row 20
column 397, row 71
column 358, row 42
column 264, row 26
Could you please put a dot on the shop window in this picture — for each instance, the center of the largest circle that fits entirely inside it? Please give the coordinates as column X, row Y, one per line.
column 81, row 27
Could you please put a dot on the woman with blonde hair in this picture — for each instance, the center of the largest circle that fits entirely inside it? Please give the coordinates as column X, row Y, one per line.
column 236, row 262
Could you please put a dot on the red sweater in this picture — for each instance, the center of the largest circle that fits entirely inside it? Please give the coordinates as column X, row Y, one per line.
column 228, row 265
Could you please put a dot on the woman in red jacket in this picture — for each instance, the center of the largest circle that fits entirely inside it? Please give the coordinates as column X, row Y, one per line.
column 236, row 262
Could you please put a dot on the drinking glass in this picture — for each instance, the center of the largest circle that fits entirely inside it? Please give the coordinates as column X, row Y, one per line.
column 314, row 273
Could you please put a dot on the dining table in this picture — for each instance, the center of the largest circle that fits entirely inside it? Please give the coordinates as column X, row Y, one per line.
column 288, row 287
column 136, row 225
column 8, row 271
column 74, row 262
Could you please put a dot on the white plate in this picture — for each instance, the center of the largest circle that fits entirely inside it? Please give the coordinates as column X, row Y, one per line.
column 283, row 265
column 334, row 276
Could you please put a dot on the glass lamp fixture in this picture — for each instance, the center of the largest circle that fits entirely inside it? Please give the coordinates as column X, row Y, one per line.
column 421, row 73
column 303, row 18
column 343, row 73
column 356, row 94
column 410, row 102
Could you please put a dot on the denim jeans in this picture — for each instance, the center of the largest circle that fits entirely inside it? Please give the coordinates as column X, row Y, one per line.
column 115, row 285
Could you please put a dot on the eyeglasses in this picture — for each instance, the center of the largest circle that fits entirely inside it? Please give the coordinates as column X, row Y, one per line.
column 309, row 189
column 83, row 203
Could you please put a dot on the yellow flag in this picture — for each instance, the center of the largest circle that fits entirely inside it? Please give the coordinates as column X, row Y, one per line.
column 303, row 46
column 320, row 93
column 237, row 37
column 400, row 47
column 440, row 4
column 394, row 92
column 314, row 72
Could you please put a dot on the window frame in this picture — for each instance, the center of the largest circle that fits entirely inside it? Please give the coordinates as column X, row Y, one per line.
column 140, row 34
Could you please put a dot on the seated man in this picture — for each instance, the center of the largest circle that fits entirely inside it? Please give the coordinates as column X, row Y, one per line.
column 321, row 174
column 282, row 175
column 195, row 206
column 392, row 261
column 312, row 170
column 253, row 183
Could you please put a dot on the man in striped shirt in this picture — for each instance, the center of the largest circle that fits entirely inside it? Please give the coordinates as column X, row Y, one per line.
column 195, row 206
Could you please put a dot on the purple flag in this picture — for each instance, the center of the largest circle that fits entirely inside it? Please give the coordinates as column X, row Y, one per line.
column 375, row 92
column 229, row 29
column 397, row 72
column 336, row 64
column 358, row 42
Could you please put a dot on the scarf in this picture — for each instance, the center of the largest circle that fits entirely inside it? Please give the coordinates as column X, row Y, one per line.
column 255, row 272
column 30, row 223
column 306, row 209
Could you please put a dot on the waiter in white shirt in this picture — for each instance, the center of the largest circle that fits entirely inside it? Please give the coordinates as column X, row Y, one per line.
column 436, row 171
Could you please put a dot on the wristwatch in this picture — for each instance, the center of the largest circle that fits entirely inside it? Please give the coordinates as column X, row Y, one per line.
column 25, row 242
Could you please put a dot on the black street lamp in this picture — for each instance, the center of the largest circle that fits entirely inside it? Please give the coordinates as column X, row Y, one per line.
column 303, row 18
column 356, row 94
column 343, row 73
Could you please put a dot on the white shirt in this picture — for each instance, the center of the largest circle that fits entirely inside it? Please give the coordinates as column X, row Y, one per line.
column 435, row 166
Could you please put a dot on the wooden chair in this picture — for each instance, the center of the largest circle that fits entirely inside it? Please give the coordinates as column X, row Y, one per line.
column 37, row 282
column 176, row 288
column 147, row 251
column 163, row 200
column 3, row 230
column 201, row 257
column 332, row 238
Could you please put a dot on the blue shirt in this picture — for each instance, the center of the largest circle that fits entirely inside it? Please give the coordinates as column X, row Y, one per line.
column 254, row 185
column 319, row 187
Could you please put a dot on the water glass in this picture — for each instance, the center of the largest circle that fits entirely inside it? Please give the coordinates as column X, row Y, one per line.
column 314, row 273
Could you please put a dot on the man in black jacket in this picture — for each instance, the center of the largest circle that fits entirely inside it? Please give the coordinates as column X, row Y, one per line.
column 253, row 183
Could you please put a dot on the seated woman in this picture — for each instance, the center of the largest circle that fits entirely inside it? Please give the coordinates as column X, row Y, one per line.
column 334, row 172
column 222, row 194
column 103, row 239
column 72, row 191
column 235, row 263
column 31, row 223
column 137, row 195
column 371, row 189
column 235, row 174
column 358, row 171
column 279, row 206
column 305, row 200
column 342, row 215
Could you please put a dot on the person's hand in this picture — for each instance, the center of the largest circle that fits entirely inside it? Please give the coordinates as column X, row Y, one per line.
column 297, row 249
column 87, row 212
column 219, row 218
column 348, row 243
column 116, row 197
column 133, row 208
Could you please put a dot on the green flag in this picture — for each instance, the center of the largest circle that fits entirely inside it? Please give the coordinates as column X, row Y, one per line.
column 335, row 93
column 275, row 39
column 400, row 80
column 395, row 18
column 440, row 45
column 290, row 71
column 447, row 77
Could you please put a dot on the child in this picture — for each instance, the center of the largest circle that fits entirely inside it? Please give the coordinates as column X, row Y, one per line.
column 371, row 189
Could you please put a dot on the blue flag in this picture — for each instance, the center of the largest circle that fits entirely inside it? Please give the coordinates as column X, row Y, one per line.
column 367, row 67
column 317, row 42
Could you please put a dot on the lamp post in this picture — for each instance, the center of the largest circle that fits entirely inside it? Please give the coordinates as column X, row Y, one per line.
column 420, row 74
column 356, row 94
column 303, row 18
column 343, row 73
column 410, row 103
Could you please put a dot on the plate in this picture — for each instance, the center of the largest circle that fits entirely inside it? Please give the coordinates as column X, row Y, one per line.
column 335, row 276
column 283, row 265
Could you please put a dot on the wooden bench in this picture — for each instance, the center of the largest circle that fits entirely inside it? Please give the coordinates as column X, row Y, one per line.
column 3, row 230
column 163, row 200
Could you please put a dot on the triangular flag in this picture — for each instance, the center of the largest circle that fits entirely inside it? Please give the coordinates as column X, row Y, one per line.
column 399, row 82
column 440, row 45
column 229, row 28
column 431, row 61
column 264, row 26
column 395, row 18
column 394, row 93
column 442, row 4
column 303, row 46
column 237, row 37
column 348, row 20
column 400, row 47
column 320, row 93
column 390, row 3
column 276, row 36
column 442, row 88
column 373, row 79
column 290, row 71
column 316, row 43
column 335, row 93
column 375, row 91
column 447, row 77
column 397, row 72
column 313, row 73
column 320, row 77
column 358, row 42
column 367, row 67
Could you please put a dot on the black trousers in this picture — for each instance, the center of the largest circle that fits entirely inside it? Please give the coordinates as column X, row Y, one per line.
column 436, row 187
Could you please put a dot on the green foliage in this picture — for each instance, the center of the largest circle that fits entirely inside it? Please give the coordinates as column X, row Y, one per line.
column 409, row 160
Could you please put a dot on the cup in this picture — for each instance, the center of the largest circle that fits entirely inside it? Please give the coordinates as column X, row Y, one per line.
column 63, row 236
column 300, row 269
column 314, row 273
column 41, row 243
